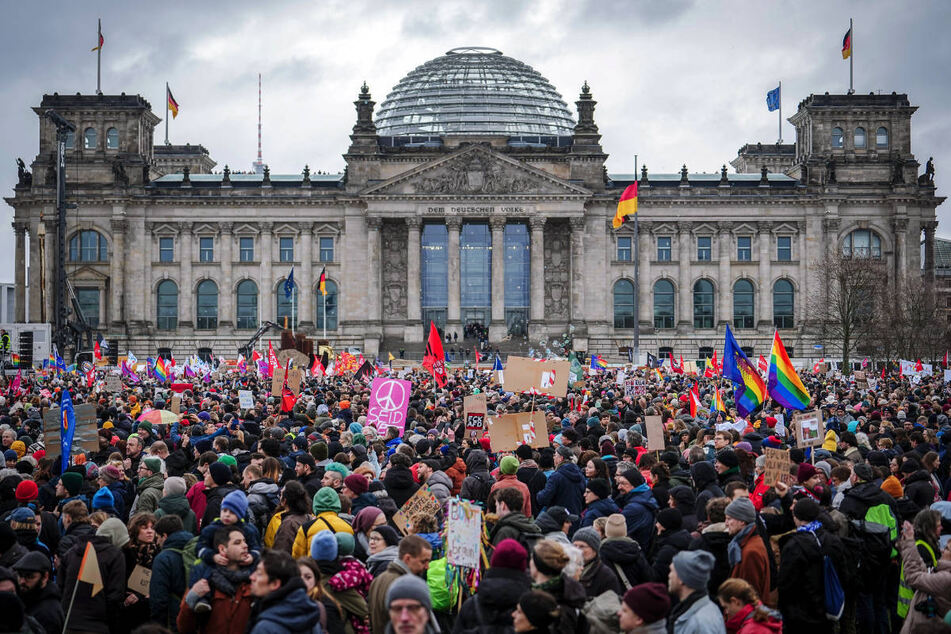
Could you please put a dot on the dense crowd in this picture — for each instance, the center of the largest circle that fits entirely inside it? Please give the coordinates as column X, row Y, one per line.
column 225, row 519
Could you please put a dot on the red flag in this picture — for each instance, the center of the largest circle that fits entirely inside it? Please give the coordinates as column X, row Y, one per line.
column 883, row 372
column 288, row 400
column 316, row 369
column 90, row 377
column 763, row 364
column 694, row 400
column 918, row 366
column 815, row 368
column 435, row 359
column 681, row 364
column 96, row 350
column 256, row 356
column 478, row 357
column 945, row 362
column 271, row 360
column 673, row 364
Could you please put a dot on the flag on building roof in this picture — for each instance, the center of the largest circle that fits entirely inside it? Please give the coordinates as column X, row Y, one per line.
column 750, row 390
column 772, row 99
column 847, row 44
column 99, row 39
column 172, row 104
column 626, row 206
column 784, row 385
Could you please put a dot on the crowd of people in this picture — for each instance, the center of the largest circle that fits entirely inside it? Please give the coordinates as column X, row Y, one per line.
column 228, row 519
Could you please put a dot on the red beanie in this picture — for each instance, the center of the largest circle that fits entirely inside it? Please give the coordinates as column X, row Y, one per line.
column 509, row 554
column 27, row 491
column 805, row 472
column 649, row 601
column 485, row 442
column 357, row 483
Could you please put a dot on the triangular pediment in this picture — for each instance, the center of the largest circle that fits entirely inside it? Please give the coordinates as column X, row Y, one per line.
column 475, row 171
column 87, row 274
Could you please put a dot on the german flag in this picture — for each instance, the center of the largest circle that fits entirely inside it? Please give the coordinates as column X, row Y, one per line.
column 172, row 104
column 322, row 284
column 99, row 39
column 627, row 206
column 847, row 44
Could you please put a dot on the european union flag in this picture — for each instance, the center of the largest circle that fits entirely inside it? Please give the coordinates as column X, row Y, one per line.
column 772, row 99
column 67, row 427
column 289, row 285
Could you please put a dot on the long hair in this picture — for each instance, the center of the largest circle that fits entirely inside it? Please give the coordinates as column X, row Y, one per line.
column 742, row 590
column 927, row 523
column 318, row 593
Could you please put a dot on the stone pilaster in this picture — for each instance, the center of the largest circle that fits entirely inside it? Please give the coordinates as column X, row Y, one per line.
column 929, row 250
column 186, row 285
column 645, row 290
column 537, row 288
column 724, row 260
column 267, row 304
column 577, row 270
column 497, row 327
column 764, row 310
column 682, row 256
column 20, row 229
column 308, row 298
column 454, row 315
column 899, row 228
column 226, row 310
column 374, row 284
column 119, row 228
column 135, row 278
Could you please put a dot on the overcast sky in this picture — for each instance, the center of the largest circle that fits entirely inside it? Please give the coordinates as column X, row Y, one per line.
column 676, row 81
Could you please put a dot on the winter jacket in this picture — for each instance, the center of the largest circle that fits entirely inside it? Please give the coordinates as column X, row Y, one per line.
column 490, row 610
column 120, row 499
column 287, row 610
column 924, row 582
column 229, row 614
column 753, row 566
column 76, row 533
column 149, row 493
column 378, row 563
column 263, row 497
column 311, row 482
column 640, row 510
column 178, row 505
column 205, row 548
column 697, row 614
column 457, row 473
column 801, row 582
column 45, row 605
column 214, row 497
column 599, row 508
column 864, row 495
column 571, row 598
column 564, row 488
column 440, row 485
column 715, row 539
column 625, row 558
column 705, row 480
column 167, row 584
column 399, row 483
column 742, row 622
column 328, row 520
column 512, row 526
column 920, row 489
column 198, row 500
column 353, row 575
column 94, row 613
column 361, row 502
column 597, row 578
column 668, row 544
column 511, row 481
column 286, row 531
column 379, row 615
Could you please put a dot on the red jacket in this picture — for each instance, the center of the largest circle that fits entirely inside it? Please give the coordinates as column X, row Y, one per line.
column 743, row 623
column 760, row 488
column 754, row 564
column 510, row 480
column 229, row 615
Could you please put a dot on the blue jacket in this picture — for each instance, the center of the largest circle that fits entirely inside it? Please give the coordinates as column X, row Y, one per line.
column 601, row 508
column 564, row 488
column 640, row 510
column 167, row 584
column 206, row 538
column 287, row 610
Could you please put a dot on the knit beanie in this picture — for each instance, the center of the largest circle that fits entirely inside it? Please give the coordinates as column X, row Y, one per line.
column 345, row 544
column 237, row 503
column 632, row 475
column 220, row 473
column 742, row 509
column 324, row 546
column 805, row 472
column 103, row 499
column 19, row 447
column 10, row 455
column 671, row 519
column 509, row 554
column 727, row 457
column 110, row 473
column 409, row 587
column 616, row 526
column 650, row 601
column 326, row 499
column 863, row 472
column 153, row 464
column 509, row 465
column 588, row 536
column 72, row 482
column 27, row 491
column 893, row 487
column 388, row 533
column 319, row 451
column 600, row 487
column 540, row 608
column 356, row 483
column 115, row 530
column 228, row 459
column 175, row 485
column 694, row 567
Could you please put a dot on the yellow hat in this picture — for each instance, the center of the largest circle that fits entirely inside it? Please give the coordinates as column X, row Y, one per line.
column 108, row 425
column 830, row 444
column 19, row 447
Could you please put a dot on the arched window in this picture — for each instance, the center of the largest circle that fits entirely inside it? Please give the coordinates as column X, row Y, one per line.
column 743, row 316
column 859, row 138
column 112, row 139
column 207, row 306
column 881, row 138
column 862, row 243
column 288, row 307
column 327, row 305
column 703, row 304
column 89, row 139
column 838, row 138
column 247, row 305
column 663, row 304
column 166, row 305
column 88, row 246
column 624, row 304
column 784, row 297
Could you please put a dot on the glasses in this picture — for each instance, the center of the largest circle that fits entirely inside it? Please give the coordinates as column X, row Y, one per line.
column 415, row 610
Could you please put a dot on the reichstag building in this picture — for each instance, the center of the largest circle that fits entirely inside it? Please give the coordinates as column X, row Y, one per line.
column 473, row 196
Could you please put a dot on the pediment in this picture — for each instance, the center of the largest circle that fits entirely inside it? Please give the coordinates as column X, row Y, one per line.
column 285, row 229
column 326, row 228
column 204, row 228
column 87, row 274
column 744, row 228
column 475, row 171
column 246, row 228
column 165, row 229
column 663, row 228
column 785, row 228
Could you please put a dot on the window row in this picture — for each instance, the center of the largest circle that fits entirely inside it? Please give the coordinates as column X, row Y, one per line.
column 704, row 302
column 246, row 306
column 91, row 139
column 859, row 138
column 744, row 248
column 246, row 249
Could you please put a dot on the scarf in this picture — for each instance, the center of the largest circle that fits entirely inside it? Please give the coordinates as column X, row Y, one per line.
column 145, row 553
column 734, row 550
column 812, row 527
column 554, row 586
column 590, row 569
column 227, row 581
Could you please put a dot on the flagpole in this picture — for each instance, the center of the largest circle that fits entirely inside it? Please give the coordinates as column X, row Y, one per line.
column 851, row 55
column 324, row 298
column 70, row 609
column 166, row 113
column 637, row 283
column 99, row 62
column 780, row 111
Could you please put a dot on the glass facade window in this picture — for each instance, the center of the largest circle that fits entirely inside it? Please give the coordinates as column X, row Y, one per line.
column 784, row 248
column 517, row 276
column 206, row 305
column 88, row 300
column 327, row 305
column 70, row 140
column 783, row 304
column 663, row 304
column 166, row 305
column 744, row 248
column 624, row 304
column 326, row 249
column 247, row 305
column 743, row 297
column 287, row 249
column 288, row 307
column 663, row 249
column 112, row 139
column 859, row 138
column 90, row 139
column 862, row 243
column 166, row 249
column 624, row 250
column 703, row 304
column 88, row 246
column 838, row 138
column 881, row 138
column 434, row 274
column 206, row 249
column 475, row 273
column 246, row 249
column 748, row 351
column 705, row 352
column 704, row 248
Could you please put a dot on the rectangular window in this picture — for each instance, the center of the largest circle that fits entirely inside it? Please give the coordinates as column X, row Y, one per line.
column 663, row 249
column 287, row 249
column 704, row 251
column 246, row 249
column 326, row 249
column 784, row 248
column 206, row 249
column 166, row 249
column 744, row 248
column 88, row 300
column 624, row 249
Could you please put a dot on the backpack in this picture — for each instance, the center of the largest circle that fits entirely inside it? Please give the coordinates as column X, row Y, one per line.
column 834, row 593
column 438, row 586
column 480, row 492
column 189, row 558
column 873, row 553
column 601, row 613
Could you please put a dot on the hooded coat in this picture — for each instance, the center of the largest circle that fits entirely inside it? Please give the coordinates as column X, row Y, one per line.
column 214, row 498
column 598, row 508
column 512, row 526
column 45, row 605
column 178, row 505
column 167, row 585
column 715, row 539
column 625, row 558
column 94, row 613
column 668, row 544
column 399, row 483
column 479, row 482
column 149, row 494
column 457, row 473
column 490, row 610
column 440, row 485
column 287, row 610
column 920, row 489
column 705, row 481
column 801, row 579
column 564, row 488
column 640, row 510
column 263, row 497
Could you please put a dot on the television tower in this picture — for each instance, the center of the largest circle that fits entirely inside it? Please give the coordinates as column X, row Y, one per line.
column 258, row 166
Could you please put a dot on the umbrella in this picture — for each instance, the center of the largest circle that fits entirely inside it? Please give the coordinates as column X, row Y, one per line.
column 157, row 416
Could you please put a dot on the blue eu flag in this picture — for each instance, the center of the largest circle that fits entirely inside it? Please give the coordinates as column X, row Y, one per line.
column 772, row 99
column 67, row 428
column 289, row 285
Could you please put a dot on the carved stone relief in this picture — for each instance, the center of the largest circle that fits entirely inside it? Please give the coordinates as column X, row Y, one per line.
column 557, row 271
column 479, row 174
column 393, row 260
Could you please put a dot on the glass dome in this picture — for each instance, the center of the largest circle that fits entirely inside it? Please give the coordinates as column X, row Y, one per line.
column 474, row 90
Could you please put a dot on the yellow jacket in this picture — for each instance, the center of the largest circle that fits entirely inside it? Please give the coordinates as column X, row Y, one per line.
column 328, row 520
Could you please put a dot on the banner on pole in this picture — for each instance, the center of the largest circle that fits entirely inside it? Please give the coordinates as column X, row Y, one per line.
column 475, row 407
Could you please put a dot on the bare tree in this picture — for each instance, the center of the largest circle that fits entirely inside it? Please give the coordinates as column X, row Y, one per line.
column 909, row 324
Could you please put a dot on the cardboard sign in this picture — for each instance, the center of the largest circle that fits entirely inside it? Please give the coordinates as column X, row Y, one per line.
column 140, row 579
column 85, row 438
column 655, row 433
column 176, row 407
column 464, row 534
column 423, row 501
column 294, row 377
column 809, row 428
column 860, row 380
column 113, row 383
column 389, row 399
column 475, row 407
column 947, row 376
column 635, row 387
column 245, row 399
column 545, row 377
column 509, row 431
column 777, row 467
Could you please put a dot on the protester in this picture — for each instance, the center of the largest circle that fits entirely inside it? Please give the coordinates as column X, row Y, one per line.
column 281, row 602
column 687, row 582
column 644, row 609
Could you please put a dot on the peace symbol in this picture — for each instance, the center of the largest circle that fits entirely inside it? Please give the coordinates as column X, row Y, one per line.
column 390, row 396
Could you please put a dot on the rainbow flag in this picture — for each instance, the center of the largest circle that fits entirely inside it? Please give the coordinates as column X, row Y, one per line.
column 750, row 389
column 784, row 384
column 161, row 370
column 15, row 359
column 626, row 206
column 718, row 403
column 597, row 363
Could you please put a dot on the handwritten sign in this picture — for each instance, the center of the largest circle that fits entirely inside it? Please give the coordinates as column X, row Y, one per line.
column 423, row 501
column 86, row 436
column 389, row 399
column 294, row 377
column 176, row 406
column 113, row 383
column 655, row 433
column 140, row 579
column 544, row 377
column 861, row 382
column 509, row 431
column 777, row 467
column 464, row 534
column 809, row 428
column 635, row 387
column 245, row 399
column 475, row 407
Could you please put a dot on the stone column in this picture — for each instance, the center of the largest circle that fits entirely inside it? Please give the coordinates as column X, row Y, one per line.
column 900, row 227
column 454, row 225
column 306, row 309
column 186, row 285
column 20, row 229
column 804, row 284
column 133, row 273
column 498, row 277
column 724, row 260
column 929, row 251
column 645, row 290
column 413, row 271
column 266, row 297
column 682, row 257
column 577, row 270
column 537, row 288
column 374, row 284
column 226, row 310
column 764, row 310
column 117, row 270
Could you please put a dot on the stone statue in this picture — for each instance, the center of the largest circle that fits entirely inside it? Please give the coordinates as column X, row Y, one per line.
column 118, row 171
column 898, row 178
column 830, row 166
column 929, row 170
column 25, row 178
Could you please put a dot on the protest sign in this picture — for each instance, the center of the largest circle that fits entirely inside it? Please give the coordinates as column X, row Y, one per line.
column 139, row 580
column 85, row 438
column 777, row 467
column 809, row 428
column 245, row 399
column 655, row 433
column 113, row 383
column 947, row 376
column 463, row 534
column 621, row 376
column 294, row 377
column 475, row 407
column 389, row 399
column 509, row 431
column 861, row 382
column 544, row 377
column 635, row 387
column 176, row 406
column 423, row 501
